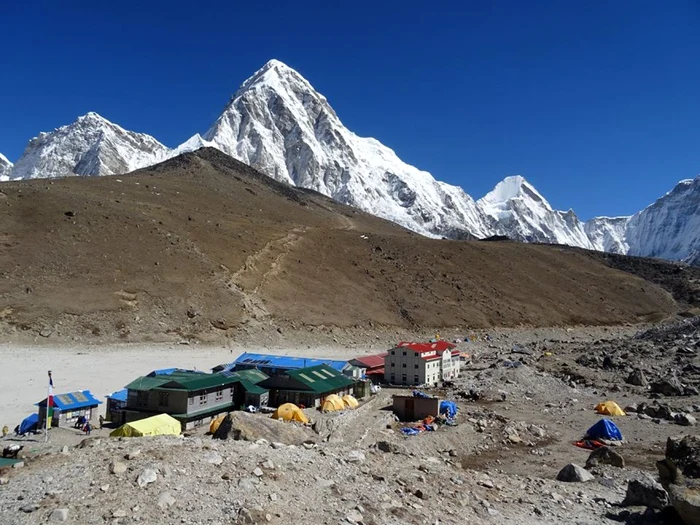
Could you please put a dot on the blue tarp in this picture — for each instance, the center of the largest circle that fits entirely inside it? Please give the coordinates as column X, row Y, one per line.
column 449, row 408
column 29, row 424
column 604, row 429
column 418, row 393
column 408, row 431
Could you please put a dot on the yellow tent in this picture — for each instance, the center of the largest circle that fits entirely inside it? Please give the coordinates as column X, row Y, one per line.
column 333, row 403
column 350, row 401
column 290, row 412
column 215, row 423
column 609, row 408
column 160, row 425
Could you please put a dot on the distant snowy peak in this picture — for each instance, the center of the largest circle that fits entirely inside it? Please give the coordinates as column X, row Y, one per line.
column 514, row 187
column 608, row 234
column 523, row 214
column 90, row 146
column 279, row 124
column 5, row 168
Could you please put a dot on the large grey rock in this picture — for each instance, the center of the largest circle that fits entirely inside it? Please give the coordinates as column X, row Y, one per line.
column 165, row 500
column 679, row 473
column 605, row 456
column 668, row 386
column 686, row 420
column 574, row 473
column 59, row 515
column 646, row 493
column 637, row 378
column 686, row 500
column 242, row 426
column 146, row 477
column 116, row 467
column 684, row 452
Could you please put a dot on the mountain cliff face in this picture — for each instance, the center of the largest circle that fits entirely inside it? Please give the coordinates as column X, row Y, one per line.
column 5, row 168
column 278, row 123
column 608, row 234
column 90, row 146
column 669, row 228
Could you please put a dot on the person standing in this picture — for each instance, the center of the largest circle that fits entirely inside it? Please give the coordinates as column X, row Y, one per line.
column 102, row 421
column 5, row 431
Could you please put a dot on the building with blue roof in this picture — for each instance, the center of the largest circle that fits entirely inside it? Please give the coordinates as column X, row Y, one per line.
column 273, row 365
column 116, row 403
column 67, row 408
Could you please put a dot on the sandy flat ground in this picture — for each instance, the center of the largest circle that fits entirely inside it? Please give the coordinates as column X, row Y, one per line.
column 105, row 369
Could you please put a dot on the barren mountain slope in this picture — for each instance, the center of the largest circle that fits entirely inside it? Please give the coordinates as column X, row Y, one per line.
column 202, row 245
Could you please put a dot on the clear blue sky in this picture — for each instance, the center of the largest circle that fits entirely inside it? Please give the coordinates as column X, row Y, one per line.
column 596, row 103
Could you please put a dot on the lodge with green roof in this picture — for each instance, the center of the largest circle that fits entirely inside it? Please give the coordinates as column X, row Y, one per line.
column 193, row 398
column 307, row 387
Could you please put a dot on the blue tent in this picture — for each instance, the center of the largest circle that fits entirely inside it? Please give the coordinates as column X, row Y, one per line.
column 29, row 424
column 604, row 429
column 449, row 408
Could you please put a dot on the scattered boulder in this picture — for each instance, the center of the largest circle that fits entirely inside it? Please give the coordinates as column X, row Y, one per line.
column 214, row 458
column 684, row 453
column 390, row 448
column 165, row 500
column 645, row 493
column 679, row 473
column 146, row 477
column 605, row 456
column 686, row 420
column 668, row 386
column 574, row 473
column 117, row 467
column 637, row 378
column 59, row 515
column 355, row 456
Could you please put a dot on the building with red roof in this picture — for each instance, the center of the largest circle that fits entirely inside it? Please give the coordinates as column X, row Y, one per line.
column 372, row 366
column 411, row 363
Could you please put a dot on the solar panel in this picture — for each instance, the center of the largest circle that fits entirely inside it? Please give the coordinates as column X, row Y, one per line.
column 304, row 376
column 80, row 397
column 226, row 373
column 318, row 374
column 65, row 399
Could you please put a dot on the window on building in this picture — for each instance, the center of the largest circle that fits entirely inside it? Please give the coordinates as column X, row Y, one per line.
column 163, row 399
column 392, row 365
column 403, row 365
column 142, row 399
column 393, row 378
column 415, row 379
column 404, row 354
column 393, row 352
column 192, row 401
column 403, row 379
column 415, row 366
column 219, row 395
column 203, row 399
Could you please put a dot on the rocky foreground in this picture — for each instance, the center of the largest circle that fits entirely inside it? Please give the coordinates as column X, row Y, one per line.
column 522, row 401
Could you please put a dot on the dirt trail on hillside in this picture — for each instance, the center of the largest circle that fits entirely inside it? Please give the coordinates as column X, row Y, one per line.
column 205, row 248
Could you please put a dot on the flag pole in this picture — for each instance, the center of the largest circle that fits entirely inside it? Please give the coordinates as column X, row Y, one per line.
column 48, row 407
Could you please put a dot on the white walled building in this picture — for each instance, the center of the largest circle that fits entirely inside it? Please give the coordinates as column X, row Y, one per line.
column 421, row 363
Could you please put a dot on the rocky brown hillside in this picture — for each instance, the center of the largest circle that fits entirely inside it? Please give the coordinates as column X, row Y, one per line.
column 202, row 246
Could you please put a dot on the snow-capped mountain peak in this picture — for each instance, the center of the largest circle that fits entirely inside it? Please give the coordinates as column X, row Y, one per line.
column 525, row 215
column 92, row 145
column 278, row 123
column 514, row 187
